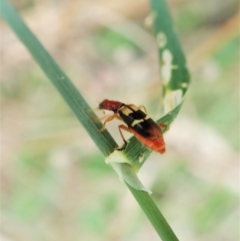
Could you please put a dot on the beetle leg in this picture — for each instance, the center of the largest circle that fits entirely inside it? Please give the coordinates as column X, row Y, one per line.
column 143, row 108
column 163, row 127
column 110, row 118
column 123, row 127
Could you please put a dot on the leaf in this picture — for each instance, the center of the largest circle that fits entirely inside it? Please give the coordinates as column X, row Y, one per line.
column 174, row 75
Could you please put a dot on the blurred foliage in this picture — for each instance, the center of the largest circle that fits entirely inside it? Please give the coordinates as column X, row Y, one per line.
column 220, row 102
column 108, row 41
column 51, row 189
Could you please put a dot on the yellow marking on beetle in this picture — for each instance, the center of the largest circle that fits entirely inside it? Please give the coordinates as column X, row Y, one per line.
column 161, row 40
column 134, row 107
column 126, row 110
column 135, row 122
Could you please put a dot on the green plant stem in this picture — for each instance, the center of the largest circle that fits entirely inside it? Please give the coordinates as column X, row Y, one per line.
column 59, row 79
column 154, row 215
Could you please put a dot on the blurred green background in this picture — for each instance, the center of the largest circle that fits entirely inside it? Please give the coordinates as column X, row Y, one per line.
column 54, row 182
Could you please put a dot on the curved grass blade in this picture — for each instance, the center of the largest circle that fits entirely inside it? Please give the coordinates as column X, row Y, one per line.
column 173, row 68
column 174, row 75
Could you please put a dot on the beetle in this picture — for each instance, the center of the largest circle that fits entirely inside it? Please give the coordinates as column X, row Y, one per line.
column 144, row 128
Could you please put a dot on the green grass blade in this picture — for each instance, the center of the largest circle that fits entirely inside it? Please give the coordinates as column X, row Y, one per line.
column 173, row 70
column 65, row 87
column 174, row 73
column 155, row 216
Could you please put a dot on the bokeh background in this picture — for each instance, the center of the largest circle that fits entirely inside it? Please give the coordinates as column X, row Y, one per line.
column 55, row 185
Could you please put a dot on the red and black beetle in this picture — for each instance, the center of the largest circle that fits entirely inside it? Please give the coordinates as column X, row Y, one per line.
column 144, row 128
